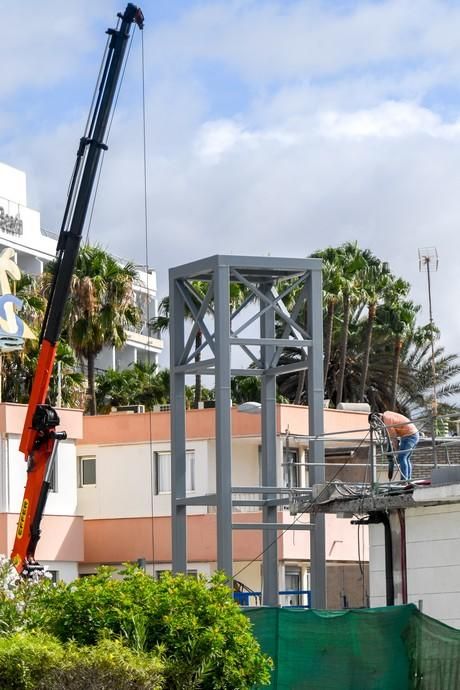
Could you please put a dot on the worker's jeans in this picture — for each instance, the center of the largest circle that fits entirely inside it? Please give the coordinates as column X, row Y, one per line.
column 406, row 446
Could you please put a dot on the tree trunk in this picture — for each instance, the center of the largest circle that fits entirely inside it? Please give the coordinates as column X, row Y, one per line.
column 301, row 377
column 396, row 359
column 344, row 347
column 91, row 384
column 198, row 342
column 367, row 350
column 328, row 326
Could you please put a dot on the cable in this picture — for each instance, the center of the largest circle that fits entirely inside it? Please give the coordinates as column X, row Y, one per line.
column 146, row 228
column 101, row 159
column 297, row 518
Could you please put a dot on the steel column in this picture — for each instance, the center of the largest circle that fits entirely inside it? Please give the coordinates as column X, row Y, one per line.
column 316, row 428
column 223, row 420
column 269, row 460
column 178, row 453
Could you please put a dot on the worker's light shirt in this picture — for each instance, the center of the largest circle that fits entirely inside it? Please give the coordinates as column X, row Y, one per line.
column 398, row 424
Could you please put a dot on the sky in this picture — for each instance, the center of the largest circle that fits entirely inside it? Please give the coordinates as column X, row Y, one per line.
column 272, row 128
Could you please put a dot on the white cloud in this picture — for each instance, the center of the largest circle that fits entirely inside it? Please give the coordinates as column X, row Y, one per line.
column 219, row 137
column 329, row 143
column 273, row 40
column 46, row 42
column 389, row 119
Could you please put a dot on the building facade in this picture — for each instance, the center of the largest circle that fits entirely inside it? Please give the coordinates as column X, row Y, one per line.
column 124, row 494
column 425, row 547
column 34, row 247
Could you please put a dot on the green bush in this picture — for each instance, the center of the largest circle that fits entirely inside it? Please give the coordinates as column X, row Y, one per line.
column 204, row 638
column 35, row 661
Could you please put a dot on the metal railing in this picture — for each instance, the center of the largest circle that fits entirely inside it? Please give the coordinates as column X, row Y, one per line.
column 254, row 599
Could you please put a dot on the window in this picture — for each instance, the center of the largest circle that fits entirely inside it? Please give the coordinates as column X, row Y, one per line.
column 293, row 582
column 291, row 468
column 53, row 575
column 163, row 472
column 87, row 471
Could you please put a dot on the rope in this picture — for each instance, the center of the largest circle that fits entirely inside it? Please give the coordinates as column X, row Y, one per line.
column 146, row 232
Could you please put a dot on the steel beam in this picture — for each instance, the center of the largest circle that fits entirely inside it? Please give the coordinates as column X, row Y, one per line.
column 269, row 462
column 271, row 526
column 223, row 420
column 316, row 428
column 178, row 442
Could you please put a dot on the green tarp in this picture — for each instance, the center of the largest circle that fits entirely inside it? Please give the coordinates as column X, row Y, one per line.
column 391, row 648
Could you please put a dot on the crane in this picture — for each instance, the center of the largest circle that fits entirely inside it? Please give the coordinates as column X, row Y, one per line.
column 40, row 439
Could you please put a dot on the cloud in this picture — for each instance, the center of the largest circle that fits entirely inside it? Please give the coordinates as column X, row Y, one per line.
column 276, row 40
column 389, row 119
column 45, row 43
column 335, row 135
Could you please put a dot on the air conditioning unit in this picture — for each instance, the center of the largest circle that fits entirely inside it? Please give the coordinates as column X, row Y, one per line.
column 131, row 409
column 354, row 407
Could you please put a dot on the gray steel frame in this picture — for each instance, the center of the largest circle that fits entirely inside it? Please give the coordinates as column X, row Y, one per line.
column 259, row 275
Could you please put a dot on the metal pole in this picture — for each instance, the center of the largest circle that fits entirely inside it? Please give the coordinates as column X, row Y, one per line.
column 316, row 428
column 269, row 478
column 178, row 453
column 372, row 459
column 223, row 420
column 434, row 405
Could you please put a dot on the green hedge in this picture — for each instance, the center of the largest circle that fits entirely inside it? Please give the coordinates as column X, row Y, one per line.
column 192, row 624
column 35, row 661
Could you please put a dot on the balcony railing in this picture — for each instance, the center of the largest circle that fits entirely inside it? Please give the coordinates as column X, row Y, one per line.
column 255, row 598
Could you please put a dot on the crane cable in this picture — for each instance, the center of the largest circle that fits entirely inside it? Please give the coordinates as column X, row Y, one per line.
column 147, row 266
column 101, row 159
column 146, row 226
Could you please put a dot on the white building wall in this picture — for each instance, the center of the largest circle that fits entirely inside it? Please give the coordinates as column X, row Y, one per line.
column 377, row 585
column 433, row 562
column 125, row 481
column 13, row 185
column 66, row 571
column 433, row 557
column 245, row 462
column 62, row 502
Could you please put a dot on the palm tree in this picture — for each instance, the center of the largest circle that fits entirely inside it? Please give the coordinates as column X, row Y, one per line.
column 398, row 317
column 140, row 384
column 376, row 278
column 100, row 308
column 351, row 263
column 331, row 297
column 18, row 368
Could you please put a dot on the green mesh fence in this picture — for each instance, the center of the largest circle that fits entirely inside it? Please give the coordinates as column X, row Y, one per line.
column 393, row 648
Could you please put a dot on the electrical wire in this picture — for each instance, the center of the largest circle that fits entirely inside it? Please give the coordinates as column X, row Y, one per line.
column 306, row 509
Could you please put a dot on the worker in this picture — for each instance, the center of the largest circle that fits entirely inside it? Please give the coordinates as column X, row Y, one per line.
column 403, row 430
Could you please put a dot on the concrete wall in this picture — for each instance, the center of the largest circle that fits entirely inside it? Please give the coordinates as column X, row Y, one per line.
column 433, row 561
